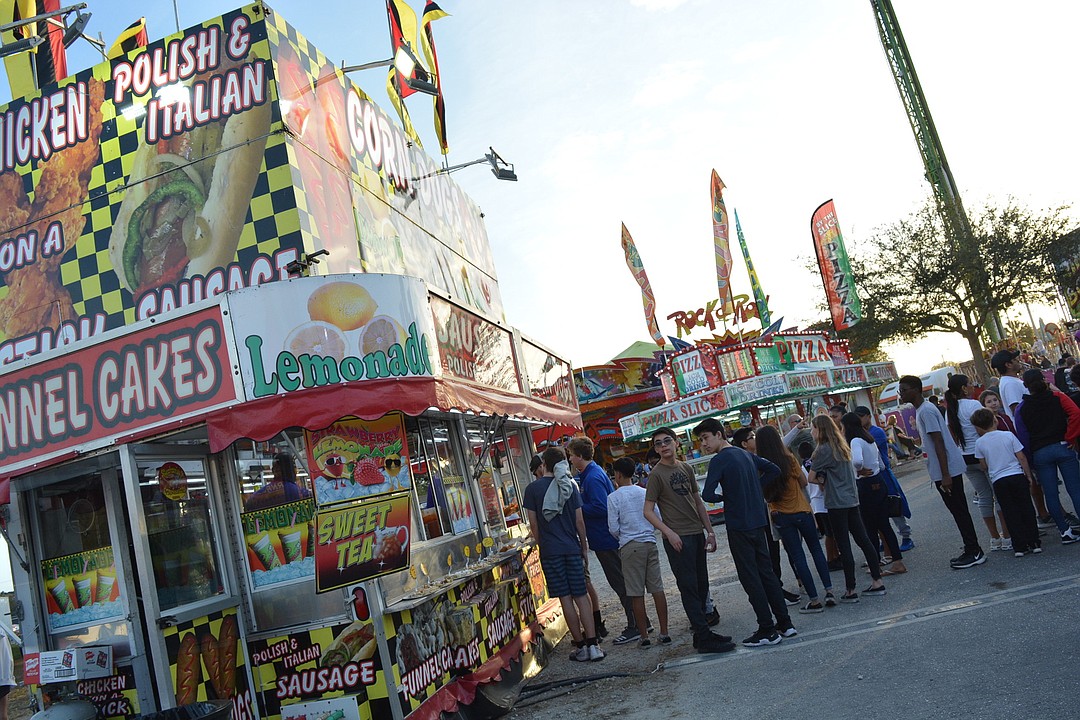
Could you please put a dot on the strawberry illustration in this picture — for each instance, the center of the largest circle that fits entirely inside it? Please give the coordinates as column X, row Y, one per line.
column 366, row 472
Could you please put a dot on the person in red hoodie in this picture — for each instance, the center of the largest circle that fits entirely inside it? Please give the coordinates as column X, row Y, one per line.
column 1048, row 424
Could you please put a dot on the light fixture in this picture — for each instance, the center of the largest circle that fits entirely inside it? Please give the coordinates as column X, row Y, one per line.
column 499, row 167
column 75, row 30
column 72, row 32
column 301, row 267
column 406, row 63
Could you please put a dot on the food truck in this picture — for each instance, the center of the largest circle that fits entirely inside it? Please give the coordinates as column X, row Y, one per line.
column 263, row 428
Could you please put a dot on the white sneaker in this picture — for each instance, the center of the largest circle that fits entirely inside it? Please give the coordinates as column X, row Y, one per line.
column 995, row 544
column 1006, row 544
column 1069, row 537
column 595, row 653
column 580, row 655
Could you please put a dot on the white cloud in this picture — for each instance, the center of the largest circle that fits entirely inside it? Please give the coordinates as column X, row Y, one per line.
column 657, row 5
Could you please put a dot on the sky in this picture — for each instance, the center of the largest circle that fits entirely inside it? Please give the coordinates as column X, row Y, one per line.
column 616, row 111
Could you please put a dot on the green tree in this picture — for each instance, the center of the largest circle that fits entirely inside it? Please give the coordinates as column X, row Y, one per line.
column 915, row 277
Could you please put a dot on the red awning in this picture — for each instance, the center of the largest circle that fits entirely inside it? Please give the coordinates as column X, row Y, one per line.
column 317, row 408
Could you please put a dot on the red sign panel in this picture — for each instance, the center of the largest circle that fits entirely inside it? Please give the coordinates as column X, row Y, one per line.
column 164, row 372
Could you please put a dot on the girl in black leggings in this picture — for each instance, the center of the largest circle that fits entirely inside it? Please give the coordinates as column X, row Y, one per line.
column 831, row 466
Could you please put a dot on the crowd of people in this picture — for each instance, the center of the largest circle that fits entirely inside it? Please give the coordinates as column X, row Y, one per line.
column 825, row 484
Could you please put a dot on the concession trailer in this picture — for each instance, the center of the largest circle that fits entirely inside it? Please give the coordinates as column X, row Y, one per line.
column 263, row 428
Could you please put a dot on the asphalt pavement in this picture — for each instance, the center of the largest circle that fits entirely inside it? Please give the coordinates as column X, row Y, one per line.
column 999, row 640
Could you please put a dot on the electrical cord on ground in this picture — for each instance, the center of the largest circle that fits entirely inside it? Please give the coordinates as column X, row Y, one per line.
column 529, row 695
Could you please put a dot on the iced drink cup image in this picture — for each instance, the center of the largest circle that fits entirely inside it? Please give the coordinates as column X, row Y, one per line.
column 60, row 589
column 292, row 544
column 84, row 588
column 106, row 580
column 264, row 550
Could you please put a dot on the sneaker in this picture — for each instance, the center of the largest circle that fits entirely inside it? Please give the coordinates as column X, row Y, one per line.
column 761, row 639
column 995, row 544
column 1018, row 553
column 581, row 654
column 1069, row 537
column 1006, row 544
column 787, row 631
column 663, row 639
column 595, row 653
column 907, row 545
column 830, row 599
column 710, row 637
column 791, row 598
column 1073, row 521
column 874, row 590
column 628, row 635
column 970, row 560
column 713, row 644
column 851, row 597
column 813, row 607
column 1036, row 550
column 645, row 643
column 713, row 618
column 1045, row 522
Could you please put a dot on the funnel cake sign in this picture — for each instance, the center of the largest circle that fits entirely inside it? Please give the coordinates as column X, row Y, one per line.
column 163, row 373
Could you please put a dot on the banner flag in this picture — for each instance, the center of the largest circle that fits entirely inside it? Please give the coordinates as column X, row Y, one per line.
column 720, row 242
column 132, row 38
column 844, row 305
column 402, row 21
column 433, row 12
column 633, row 261
column 759, row 295
column 19, row 66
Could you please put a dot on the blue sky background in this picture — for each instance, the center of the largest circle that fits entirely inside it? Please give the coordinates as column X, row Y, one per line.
column 617, row 110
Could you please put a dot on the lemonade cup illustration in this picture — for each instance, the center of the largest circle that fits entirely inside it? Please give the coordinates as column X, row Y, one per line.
column 84, row 588
column 60, row 589
column 264, row 550
column 292, row 544
column 105, row 582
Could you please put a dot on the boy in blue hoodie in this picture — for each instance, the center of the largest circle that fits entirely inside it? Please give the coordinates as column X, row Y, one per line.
column 595, row 487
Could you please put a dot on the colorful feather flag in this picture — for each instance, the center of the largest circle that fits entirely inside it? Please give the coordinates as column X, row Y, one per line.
column 844, row 305
column 720, row 242
column 755, row 285
column 433, row 12
column 132, row 38
column 633, row 261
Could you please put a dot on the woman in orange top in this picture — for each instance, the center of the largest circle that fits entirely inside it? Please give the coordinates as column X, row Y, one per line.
column 793, row 517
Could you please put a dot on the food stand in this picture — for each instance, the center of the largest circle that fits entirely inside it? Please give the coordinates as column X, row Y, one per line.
column 247, row 482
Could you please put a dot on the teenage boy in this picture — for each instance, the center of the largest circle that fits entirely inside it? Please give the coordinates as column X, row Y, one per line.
column 595, row 488
column 564, row 551
column 1002, row 457
column 945, row 463
column 740, row 475
column 673, row 489
column 637, row 550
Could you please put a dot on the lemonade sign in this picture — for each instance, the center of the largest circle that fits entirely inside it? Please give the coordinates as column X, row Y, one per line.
column 313, row 332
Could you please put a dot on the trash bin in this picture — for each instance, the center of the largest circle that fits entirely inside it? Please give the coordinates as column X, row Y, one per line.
column 209, row 710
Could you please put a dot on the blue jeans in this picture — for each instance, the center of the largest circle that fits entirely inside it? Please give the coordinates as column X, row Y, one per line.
column 1049, row 461
column 793, row 529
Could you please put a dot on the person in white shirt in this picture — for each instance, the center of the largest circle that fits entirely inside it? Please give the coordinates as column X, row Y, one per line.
column 959, row 407
column 7, row 674
column 1010, row 387
column 637, row 549
column 873, row 492
column 1002, row 457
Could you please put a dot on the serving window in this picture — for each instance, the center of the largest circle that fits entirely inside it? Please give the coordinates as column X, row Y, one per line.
column 443, row 498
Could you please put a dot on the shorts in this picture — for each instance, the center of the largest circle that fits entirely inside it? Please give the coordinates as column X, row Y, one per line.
column 4, row 690
column 564, row 575
column 641, row 568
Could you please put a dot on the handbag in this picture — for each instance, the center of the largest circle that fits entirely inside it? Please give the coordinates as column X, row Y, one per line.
column 895, row 506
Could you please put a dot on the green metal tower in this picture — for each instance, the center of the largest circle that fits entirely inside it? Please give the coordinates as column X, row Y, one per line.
column 926, row 137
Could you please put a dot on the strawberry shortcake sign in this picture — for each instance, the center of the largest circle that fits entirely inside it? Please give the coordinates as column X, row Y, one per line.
column 353, row 459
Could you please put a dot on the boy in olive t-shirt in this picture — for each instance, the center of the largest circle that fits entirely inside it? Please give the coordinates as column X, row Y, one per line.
column 673, row 490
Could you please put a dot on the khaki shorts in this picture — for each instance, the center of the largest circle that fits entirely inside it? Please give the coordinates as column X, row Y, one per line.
column 641, row 568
